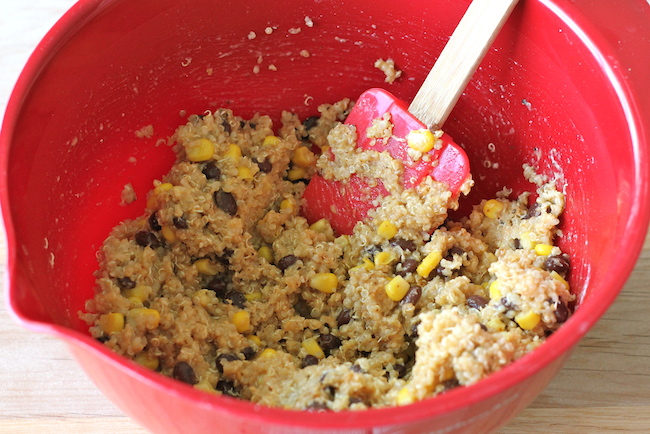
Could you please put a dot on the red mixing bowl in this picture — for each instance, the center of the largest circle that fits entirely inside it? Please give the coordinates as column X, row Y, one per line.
column 564, row 87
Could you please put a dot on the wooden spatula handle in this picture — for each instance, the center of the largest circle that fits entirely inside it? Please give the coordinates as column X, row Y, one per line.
column 459, row 59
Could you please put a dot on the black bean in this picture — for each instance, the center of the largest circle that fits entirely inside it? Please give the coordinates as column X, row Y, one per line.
column 344, row 317
column 184, row 372
column 477, row 302
column 450, row 384
column 408, row 266
column 533, row 211
column 414, row 331
column 226, row 126
column 287, row 262
column 439, row 271
column 310, row 122
column 561, row 312
column 236, row 298
column 508, row 304
column 125, row 283
column 302, row 308
column 356, row 368
column 211, row 171
column 329, row 342
column 454, row 250
column 558, row 263
column 249, row 353
column 219, row 285
column 226, row 387
column 224, row 358
column 412, row 296
column 399, row 369
column 331, row 391
column 516, row 243
column 153, row 222
column 180, row 223
column 146, row 238
column 309, row 360
column 226, row 202
column 406, row 245
column 317, row 406
column 264, row 166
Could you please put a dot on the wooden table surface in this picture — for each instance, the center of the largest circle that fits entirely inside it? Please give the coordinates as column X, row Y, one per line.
column 605, row 386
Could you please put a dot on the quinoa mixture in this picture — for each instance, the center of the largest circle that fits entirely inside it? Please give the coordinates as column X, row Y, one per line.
column 222, row 283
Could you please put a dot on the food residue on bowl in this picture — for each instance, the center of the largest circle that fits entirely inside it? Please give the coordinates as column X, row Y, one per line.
column 223, row 285
column 388, row 68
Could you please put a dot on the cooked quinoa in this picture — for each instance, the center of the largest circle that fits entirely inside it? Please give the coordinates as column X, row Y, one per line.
column 222, row 284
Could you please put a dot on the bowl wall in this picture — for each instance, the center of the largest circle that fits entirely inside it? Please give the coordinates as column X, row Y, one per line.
column 544, row 95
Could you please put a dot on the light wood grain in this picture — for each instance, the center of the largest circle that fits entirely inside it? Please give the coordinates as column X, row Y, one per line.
column 459, row 59
column 605, row 386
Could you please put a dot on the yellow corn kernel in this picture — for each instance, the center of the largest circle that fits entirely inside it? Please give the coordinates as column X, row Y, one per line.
column 526, row 241
column 556, row 276
column 169, row 234
column 252, row 296
column 152, row 201
column 150, row 318
column 206, row 266
column 495, row 290
column 111, row 323
column 242, row 321
column 492, row 208
column 447, row 374
column 200, row 150
column 325, row 149
column 268, row 352
column 324, row 282
column 266, row 253
column 543, row 249
column 165, row 186
column 429, row 263
column 233, row 152
column 405, row 396
column 368, row 264
column 387, row 229
column 421, row 140
column 303, row 157
column 271, row 140
column 296, row 173
column 286, row 204
column 204, row 296
column 256, row 340
column 528, row 320
column 143, row 358
column 397, row 288
column 383, row 258
column 321, row 225
column 205, row 386
column 135, row 302
column 311, row 346
column 141, row 292
column 244, row 172
column 496, row 324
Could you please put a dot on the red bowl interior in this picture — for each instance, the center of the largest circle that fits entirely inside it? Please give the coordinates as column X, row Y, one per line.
column 550, row 92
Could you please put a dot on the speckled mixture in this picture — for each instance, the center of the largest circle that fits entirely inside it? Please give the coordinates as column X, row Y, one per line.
column 223, row 285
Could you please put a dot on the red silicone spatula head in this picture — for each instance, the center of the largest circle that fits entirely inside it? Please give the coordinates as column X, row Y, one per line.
column 344, row 204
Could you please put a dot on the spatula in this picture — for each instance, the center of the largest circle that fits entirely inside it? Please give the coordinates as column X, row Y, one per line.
column 344, row 204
